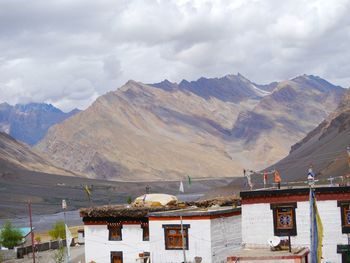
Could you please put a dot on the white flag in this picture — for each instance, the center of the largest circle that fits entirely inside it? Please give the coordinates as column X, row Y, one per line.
column 181, row 188
column 68, row 240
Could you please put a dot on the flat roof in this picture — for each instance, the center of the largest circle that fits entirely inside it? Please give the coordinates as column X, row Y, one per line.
column 267, row 254
column 196, row 211
column 295, row 191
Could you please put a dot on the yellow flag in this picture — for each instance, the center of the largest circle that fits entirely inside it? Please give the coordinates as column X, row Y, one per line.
column 87, row 189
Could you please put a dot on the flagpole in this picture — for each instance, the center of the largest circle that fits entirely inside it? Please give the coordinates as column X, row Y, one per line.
column 183, row 240
column 311, row 224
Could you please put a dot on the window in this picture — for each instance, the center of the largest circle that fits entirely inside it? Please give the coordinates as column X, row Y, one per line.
column 115, row 232
column 345, row 215
column 173, row 237
column 284, row 220
column 117, row 257
column 145, row 232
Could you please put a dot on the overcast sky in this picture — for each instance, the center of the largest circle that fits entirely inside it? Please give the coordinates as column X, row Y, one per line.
column 68, row 52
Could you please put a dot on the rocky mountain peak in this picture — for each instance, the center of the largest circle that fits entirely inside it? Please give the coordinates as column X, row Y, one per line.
column 29, row 122
column 44, row 107
column 166, row 85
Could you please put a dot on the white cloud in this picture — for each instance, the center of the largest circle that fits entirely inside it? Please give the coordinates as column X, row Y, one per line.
column 70, row 52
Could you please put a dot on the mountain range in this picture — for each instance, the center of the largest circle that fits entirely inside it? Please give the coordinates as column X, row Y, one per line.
column 324, row 148
column 212, row 127
column 29, row 122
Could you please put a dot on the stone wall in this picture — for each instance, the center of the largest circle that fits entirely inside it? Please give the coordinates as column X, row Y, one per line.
column 7, row 254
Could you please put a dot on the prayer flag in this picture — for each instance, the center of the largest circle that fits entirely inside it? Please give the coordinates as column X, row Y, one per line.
column 88, row 191
column 316, row 230
column 310, row 174
column 189, row 180
column 181, row 188
column 265, row 178
column 277, row 177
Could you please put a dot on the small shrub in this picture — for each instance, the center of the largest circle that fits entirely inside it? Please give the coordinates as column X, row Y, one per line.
column 58, row 231
column 10, row 236
column 38, row 239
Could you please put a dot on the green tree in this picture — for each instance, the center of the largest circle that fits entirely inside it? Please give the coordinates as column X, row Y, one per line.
column 58, row 231
column 10, row 236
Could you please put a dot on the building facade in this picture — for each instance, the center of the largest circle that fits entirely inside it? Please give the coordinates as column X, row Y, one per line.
column 129, row 235
column 116, row 239
column 210, row 235
column 283, row 213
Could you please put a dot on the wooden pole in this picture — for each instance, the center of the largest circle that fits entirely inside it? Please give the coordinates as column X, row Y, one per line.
column 311, row 225
column 290, row 245
column 183, row 241
column 31, row 228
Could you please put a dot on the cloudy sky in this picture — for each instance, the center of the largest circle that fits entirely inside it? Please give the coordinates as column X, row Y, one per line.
column 68, row 52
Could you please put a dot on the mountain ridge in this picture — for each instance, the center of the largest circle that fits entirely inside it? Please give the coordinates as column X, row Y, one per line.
column 20, row 156
column 29, row 122
column 323, row 147
column 169, row 130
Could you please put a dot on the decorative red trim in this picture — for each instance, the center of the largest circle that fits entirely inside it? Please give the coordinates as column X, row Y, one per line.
column 295, row 198
column 165, row 218
column 89, row 223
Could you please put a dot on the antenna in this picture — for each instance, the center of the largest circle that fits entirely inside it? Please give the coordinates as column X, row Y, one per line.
column 274, row 242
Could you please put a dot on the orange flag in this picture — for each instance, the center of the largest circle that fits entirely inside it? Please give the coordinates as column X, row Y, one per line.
column 277, row 177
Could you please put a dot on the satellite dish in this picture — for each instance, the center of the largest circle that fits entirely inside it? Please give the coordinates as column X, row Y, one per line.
column 274, row 241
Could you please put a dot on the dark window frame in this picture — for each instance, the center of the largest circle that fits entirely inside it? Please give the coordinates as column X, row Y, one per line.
column 118, row 254
column 176, row 227
column 119, row 227
column 345, row 228
column 284, row 232
column 145, row 229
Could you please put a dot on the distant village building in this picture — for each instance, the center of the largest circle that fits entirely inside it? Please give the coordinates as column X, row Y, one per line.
column 81, row 237
column 281, row 213
column 127, row 234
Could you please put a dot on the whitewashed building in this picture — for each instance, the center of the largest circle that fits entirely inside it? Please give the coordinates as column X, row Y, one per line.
column 210, row 235
column 120, row 234
column 269, row 213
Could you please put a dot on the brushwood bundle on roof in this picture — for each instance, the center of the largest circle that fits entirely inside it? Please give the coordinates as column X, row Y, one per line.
column 122, row 211
column 219, row 201
column 139, row 211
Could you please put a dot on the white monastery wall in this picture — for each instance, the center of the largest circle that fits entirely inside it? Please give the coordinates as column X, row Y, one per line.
column 257, row 227
column 257, row 224
column 98, row 247
column 226, row 236
column 199, row 242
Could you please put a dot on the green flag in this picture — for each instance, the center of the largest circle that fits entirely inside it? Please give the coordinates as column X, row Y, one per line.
column 189, row 180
